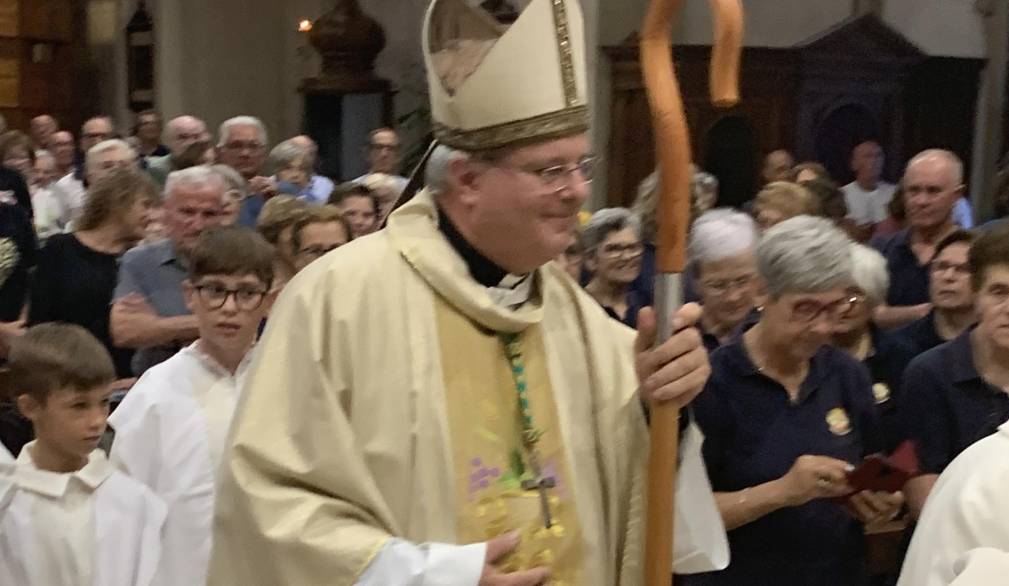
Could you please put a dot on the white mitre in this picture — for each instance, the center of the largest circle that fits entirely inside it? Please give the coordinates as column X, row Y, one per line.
column 493, row 85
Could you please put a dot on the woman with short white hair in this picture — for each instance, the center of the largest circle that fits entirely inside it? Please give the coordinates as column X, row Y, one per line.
column 612, row 239
column 885, row 355
column 723, row 264
column 786, row 416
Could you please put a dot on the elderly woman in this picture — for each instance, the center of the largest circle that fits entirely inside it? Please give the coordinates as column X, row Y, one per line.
column 723, row 264
column 613, row 250
column 238, row 190
column 884, row 354
column 786, row 416
column 292, row 166
column 781, row 200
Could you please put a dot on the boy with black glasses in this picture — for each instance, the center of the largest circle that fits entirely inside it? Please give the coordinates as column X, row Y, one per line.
column 171, row 427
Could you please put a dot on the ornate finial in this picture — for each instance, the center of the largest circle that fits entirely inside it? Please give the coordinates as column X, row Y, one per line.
column 348, row 40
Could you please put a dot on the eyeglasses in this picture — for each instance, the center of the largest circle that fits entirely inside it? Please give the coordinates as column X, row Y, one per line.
column 243, row 146
column 724, row 286
column 96, row 135
column 556, row 175
column 318, row 251
column 809, row 311
column 614, row 251
column 384, row 147
column 940, row 267
column 215, row 296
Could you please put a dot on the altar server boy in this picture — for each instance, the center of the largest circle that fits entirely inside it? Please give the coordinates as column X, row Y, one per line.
column 67, row 516
column 172, row 426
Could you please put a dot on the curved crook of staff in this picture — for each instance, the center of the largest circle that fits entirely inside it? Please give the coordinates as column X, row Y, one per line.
column 672, row 147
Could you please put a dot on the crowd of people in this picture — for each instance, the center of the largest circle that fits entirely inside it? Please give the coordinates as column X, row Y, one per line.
column 841, row 322
column 137, row 271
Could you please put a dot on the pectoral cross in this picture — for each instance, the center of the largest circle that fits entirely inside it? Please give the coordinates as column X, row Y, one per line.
column 541, row 483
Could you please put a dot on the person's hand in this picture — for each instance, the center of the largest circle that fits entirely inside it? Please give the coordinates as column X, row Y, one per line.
column 876, row 507
column 264, row 186
column 498, row 549
column 677, row 370
column 137, row 303
column 815, row 477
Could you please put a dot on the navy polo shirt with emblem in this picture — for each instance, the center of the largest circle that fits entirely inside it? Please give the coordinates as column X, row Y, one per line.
column 945, row 404
column 921, row 335
column 754, row 434
column 887, row 363
column 908, row 278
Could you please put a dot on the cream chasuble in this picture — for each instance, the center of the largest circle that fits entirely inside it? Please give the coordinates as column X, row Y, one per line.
column 360, row 423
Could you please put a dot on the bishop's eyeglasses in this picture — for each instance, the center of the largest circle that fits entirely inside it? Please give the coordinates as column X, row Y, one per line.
column 556, row 176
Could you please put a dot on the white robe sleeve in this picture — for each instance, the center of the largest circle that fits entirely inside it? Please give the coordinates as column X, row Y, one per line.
column 981, row 567
column 700, row 543
column 401, row 563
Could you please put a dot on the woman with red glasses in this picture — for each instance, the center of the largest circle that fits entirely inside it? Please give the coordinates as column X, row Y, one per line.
column 786, row 416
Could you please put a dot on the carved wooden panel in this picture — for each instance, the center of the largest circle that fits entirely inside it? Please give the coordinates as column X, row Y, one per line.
column 10, row 18
column 767, row 85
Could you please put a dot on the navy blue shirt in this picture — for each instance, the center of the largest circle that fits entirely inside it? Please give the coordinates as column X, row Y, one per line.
column 887, row 363
column 945, row 404
column 635, row 303
column 754, row 434
column 920, row 335
column 908, row 278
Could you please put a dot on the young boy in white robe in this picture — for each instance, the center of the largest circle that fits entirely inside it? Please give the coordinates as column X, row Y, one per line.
column 172, row 425
column 67, row 516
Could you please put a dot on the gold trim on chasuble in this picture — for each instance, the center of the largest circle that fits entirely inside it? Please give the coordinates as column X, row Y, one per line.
column 489, row 460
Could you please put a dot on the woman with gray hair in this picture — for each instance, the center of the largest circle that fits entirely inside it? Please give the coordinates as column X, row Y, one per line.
column 885, row 355
column 612, row 239
column 786, row 416
column 723, row 264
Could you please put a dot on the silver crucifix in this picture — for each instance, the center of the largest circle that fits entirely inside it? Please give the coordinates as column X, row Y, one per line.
column 541, row 483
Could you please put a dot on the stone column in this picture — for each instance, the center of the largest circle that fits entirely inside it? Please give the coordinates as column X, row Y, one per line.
column 991, row 109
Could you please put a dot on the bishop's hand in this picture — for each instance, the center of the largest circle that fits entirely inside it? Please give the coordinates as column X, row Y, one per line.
column 497, row 550
column 677, row 370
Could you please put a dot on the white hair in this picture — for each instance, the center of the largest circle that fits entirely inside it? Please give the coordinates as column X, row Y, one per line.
column 232, row 179
column 113, row 144
column 719, row 234
column 607, row 221
column 227, row 125
column 436, row 171
column 949, row 157
column 804, row 254
column 286, row 153
column 869, row 272
column 43, row 154
column 198, row 176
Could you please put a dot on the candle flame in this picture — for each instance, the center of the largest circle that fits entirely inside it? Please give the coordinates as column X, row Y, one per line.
column 304, row 26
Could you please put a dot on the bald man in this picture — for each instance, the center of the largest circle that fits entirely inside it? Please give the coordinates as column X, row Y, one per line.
column 778, row 166
column 868, row 196
column 42, row 129
column 933, row 183
column 181, row 134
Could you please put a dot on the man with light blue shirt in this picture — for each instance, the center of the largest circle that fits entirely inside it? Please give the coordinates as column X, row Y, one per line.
column 149, row 312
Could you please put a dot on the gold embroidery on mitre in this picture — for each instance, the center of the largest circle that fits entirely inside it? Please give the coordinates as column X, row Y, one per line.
column 564, row 49
column 545, row 127
column 838, row 422
column 881, row 392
